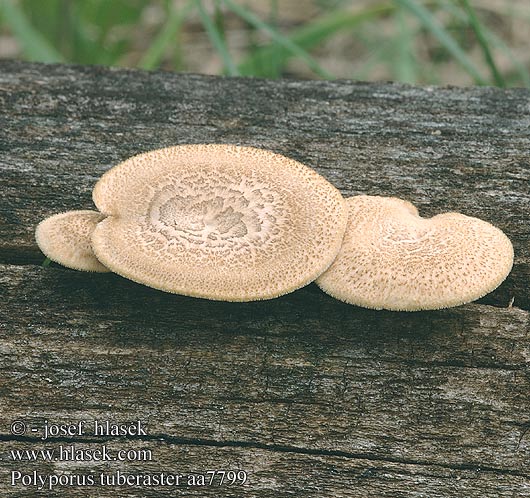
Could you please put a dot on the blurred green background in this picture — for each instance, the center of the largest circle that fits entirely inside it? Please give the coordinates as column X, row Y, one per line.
column 461, row 42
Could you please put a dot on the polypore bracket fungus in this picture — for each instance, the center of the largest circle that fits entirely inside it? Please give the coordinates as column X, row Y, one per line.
column 65, row 238
column 218, row 221
column 393, row 259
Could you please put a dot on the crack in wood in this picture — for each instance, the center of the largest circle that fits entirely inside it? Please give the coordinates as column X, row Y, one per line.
column 272, row 448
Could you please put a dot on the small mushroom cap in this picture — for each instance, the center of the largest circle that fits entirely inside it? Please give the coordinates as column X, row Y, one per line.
column 393, row 259
column 65, row 239
column 218, row 221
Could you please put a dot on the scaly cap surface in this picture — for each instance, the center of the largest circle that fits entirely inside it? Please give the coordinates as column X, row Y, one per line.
column 392, row 258
column 218, row 221
column 65, row 238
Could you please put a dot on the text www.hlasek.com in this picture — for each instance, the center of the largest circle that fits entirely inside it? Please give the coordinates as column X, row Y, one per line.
column 72, row 452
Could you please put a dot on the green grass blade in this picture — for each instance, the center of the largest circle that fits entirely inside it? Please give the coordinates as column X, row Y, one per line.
column 154, row 54
column 35, row 46
column 404, row 64
column 277, row 37
column 217, row 40
column 275, row 61
column 311, row 35
column 483, row 42
column 46, row 262
column 520, row 69
column 431, row 24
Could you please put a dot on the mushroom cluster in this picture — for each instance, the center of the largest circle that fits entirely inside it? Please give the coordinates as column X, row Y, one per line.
column 214, row 221
column 234, row 223
column 392, row 258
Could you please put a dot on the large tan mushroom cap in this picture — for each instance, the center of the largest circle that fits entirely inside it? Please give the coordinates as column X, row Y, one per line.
column 393, row 259
column 65, row 239
column 218, row 221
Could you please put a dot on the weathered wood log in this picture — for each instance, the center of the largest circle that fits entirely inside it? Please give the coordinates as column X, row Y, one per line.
column 310, row 396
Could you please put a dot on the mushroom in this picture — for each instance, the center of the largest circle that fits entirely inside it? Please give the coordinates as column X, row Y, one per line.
column 65, row 239
column 218, row 221
column 394, row 259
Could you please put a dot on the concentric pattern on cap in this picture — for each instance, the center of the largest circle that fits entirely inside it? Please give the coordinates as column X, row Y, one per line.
column 393, row 259
column 218, row 221
column 65, row 239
